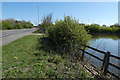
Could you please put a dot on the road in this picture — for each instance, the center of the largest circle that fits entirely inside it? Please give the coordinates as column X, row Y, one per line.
column 8, row 36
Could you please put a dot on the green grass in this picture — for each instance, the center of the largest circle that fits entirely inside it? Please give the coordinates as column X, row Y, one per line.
column 34, row 62
column 36, row 31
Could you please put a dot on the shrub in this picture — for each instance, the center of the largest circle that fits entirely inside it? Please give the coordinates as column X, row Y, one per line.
column 93, row 27
column 18, row 26
column 46, row 23
column 7, row 25
column 24, row 24
column 0, row 25
column 14, row 24
column 68, row 35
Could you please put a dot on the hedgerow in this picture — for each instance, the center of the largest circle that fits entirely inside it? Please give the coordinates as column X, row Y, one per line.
column 14, row 24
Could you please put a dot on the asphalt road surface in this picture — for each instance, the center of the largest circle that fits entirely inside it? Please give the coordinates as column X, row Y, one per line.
column 8, row 36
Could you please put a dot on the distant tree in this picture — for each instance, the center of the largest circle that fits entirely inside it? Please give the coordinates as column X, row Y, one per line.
column 14, row 24
column 30, row 25
column 112, row 25
column 87, row 27
column 18, row 25
column 82, row 24
column 94, row 28
column 10, row 20
column 0, row 25
column 24, row 24
column 104, row 25
column 115, row 25
column 7, row 25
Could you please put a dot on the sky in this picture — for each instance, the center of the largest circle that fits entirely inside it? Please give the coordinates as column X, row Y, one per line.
column 87, row 12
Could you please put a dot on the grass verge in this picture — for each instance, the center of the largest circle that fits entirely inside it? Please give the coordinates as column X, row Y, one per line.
column 37, row 31
column 23, row 59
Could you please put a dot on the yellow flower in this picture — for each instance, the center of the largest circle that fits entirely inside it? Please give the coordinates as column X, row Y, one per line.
column 15, row 57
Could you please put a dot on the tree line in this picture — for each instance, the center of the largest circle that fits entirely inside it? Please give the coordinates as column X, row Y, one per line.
column 8, row 24
column 92, row 28
column 96, row 28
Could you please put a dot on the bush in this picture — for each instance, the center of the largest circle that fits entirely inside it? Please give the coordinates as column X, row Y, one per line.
column 68, row 35
column 0, row 25
column 14, row 24
column 7, row 26
column 93, row 28
column 18, row 26
column 24, row 24
column 30, row 25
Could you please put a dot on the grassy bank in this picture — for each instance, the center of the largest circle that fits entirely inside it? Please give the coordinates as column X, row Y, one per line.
column 37, row 31
column 26, row 58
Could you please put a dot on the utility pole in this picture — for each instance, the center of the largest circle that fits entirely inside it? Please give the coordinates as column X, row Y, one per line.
column 38, row 14
column 119, row 13
column 21, row 20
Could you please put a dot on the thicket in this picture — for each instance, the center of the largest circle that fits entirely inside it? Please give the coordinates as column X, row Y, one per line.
column 14, row 24
column 68, row 35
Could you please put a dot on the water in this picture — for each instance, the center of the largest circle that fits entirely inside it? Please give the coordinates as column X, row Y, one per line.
column 105, row 43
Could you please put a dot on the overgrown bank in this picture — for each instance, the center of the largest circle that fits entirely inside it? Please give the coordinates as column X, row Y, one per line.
column 31, row 57
column 51, row 56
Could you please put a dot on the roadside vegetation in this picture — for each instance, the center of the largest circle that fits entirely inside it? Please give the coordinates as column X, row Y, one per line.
column 54, row 55
column 9, row 24
column 29, row 57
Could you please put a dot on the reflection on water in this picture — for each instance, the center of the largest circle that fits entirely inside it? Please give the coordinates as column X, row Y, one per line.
column 105, row 42
column 105, row 36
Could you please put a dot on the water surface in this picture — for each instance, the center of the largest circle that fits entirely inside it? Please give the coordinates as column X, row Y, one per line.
column 105, row 42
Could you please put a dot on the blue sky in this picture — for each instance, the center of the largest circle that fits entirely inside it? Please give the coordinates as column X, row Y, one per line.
column 88, row 12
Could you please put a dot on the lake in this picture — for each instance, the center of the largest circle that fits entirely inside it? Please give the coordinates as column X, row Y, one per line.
column 105, row 42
